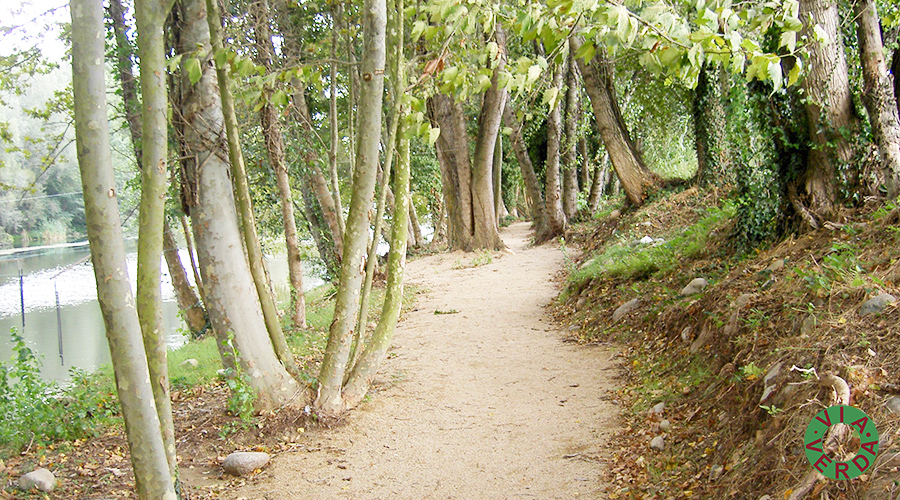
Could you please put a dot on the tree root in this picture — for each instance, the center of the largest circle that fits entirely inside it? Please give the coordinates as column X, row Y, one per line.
column 801, row 209
column 836, row 435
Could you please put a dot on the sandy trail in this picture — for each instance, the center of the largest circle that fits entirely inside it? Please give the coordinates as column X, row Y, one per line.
column 483, row 403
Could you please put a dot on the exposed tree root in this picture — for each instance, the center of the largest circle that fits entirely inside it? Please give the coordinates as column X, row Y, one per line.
column 837, row 435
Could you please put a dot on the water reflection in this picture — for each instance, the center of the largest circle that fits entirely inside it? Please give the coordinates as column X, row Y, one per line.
column 67, row 270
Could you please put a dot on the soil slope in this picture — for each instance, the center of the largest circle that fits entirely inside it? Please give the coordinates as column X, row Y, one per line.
column 479, row 399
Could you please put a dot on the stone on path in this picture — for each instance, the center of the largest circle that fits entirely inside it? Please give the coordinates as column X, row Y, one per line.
column 41, row 479
column 658, row 443
column 240, row 463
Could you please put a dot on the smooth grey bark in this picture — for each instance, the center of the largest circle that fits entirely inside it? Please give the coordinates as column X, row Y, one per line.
column 231, row 297
column 153, row 477
column 329, row 401
column 878, row 94
column 242, row 195
column 497, row 165
column 376, row 350
column 151, row 17
column 626, row 160
column 336, row 9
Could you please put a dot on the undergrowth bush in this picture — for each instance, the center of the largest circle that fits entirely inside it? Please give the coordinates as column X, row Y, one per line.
column 623, row 260
column 34, row 411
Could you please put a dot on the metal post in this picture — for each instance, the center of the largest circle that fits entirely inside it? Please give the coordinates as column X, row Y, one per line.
column 62, row 361
column 22, row 297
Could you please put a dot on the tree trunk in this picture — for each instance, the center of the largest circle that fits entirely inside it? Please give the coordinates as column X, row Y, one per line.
column 630, row 169
column 878, row 94
column 452, row 149
column 556, row 218
column 713, row 166
column 364, row 371
column 569, row 156
column 486, row 233
column 333, row 118
column 497, row 174
column 329, row 401
column 151, row 18
column 532, row 184
column 153, row 477
column 271, row 129
column 231, row 297
column 829, row 108
column 598, row 183
column 418, row 239
column 188, row 302
column 242, row 190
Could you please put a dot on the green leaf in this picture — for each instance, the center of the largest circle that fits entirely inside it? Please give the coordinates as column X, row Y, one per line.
column 174, row 62
column 820, row 34
column 194, row 71
column 280, row 98
column 795, row 72
column 775, row 74
column 534, row 72
column 433, row 134
column 587, row 51
column 417, row 30
column 551, row 96
column 245, row 67
column 789, row 40
column 483, row 82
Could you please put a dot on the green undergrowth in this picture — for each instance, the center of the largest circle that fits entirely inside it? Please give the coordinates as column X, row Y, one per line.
column 629, row 259
column 35, row 413
column 736, row 366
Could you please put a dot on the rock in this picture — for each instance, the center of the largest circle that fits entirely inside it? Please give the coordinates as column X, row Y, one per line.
column 694, row 287
column 770, row 381
column 727, row 371
column 646, row 240
column 765, row 497
column 716, row 472
column 615, row 214
column 664, row 425
column 706, row 334
column 743, row 300
column 193, row 363
column 776, row 266
column 625, row 308
column 808, row 324
column 41, row 479
column 240, row 463
column 658, row 443
column 658, row 408
column 687, row 334
column 893, row 404
column 877, row 304
column 580, row 303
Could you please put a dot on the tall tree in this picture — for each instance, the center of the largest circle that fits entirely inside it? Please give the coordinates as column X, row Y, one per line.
column 226, row 275
column 878, row 94
column 252, row 245
column 452, row 149
column 271, row 129
column 626, row 161
column 569, row 154
column 532, row 184
column 829, row 108
column 194, row 314
column 151, row 17
column 148, row 454
column 556, row 217
column 329, row 400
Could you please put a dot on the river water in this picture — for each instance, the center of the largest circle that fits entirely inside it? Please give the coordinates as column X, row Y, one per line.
column 75, row 335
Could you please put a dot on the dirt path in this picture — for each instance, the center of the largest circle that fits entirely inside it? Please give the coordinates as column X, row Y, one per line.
column 483, row 403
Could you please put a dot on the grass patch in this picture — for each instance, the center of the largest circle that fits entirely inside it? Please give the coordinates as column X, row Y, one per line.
column 628, row 261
